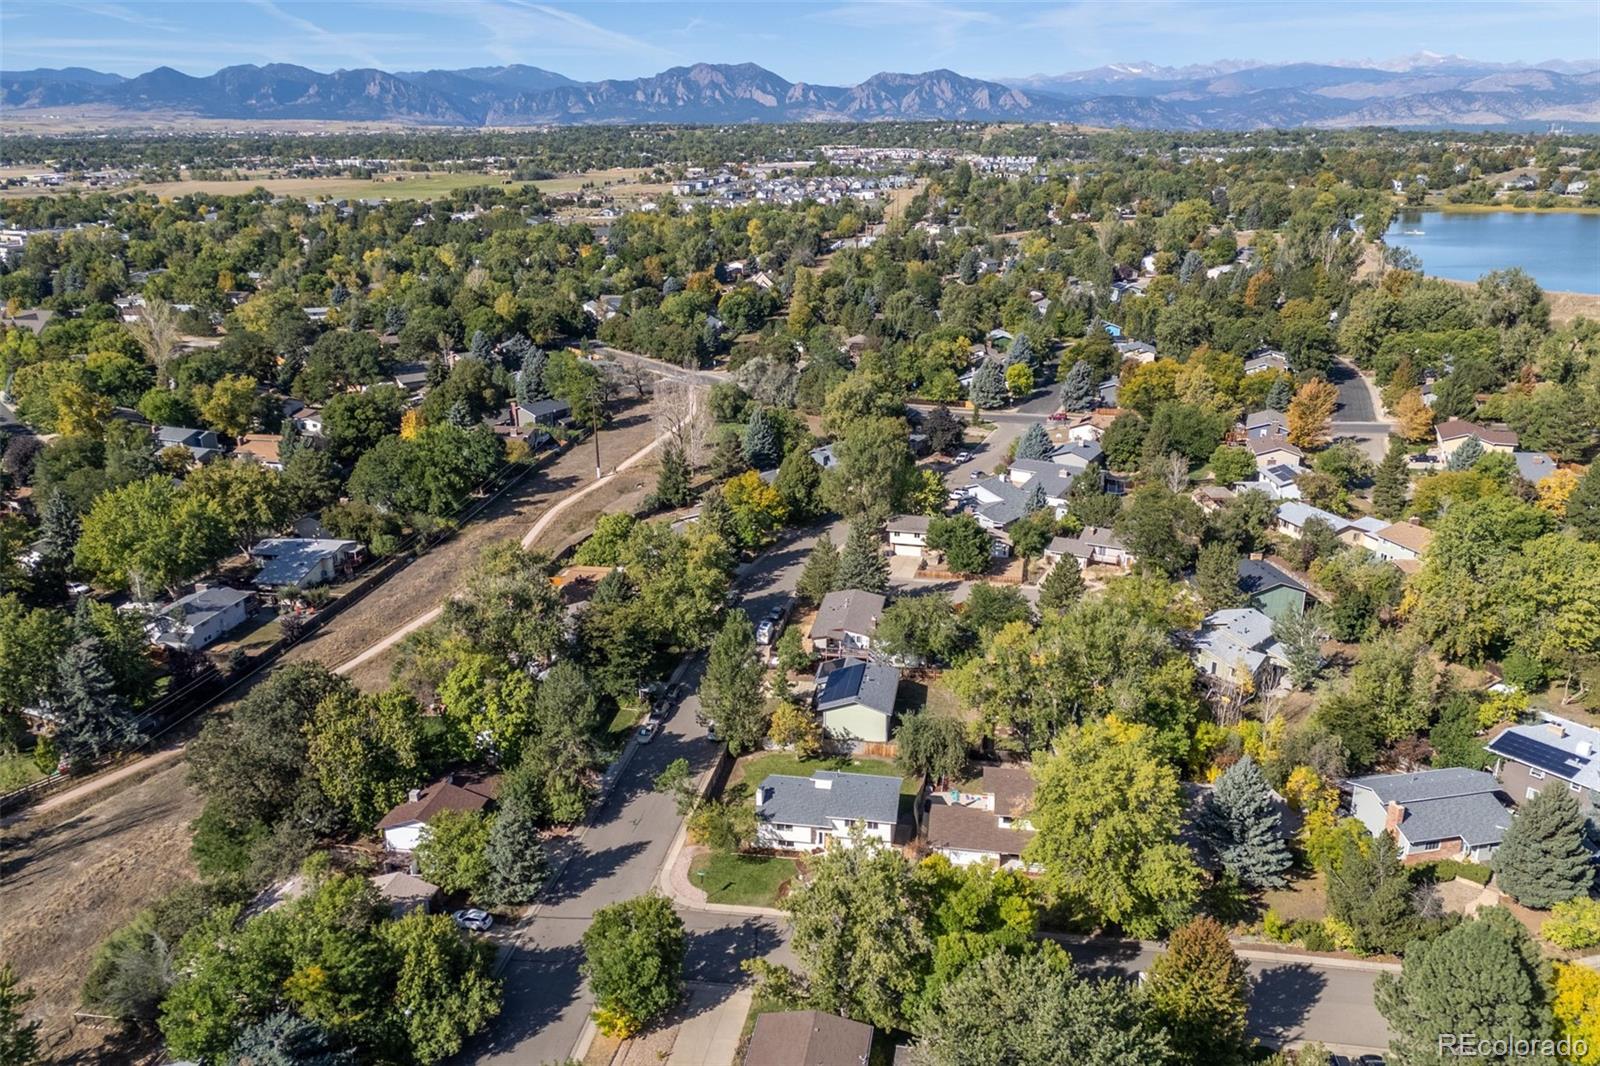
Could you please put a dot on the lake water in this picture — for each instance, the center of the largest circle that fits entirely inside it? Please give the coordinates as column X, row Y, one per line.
column 1560, row 249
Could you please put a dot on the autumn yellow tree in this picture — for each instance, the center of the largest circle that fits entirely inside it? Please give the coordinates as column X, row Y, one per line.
column 1556, row 490
column 1577, row 1011
column 1415, row 418
column 1311, row 413
column 796, row 726
column 411, row 423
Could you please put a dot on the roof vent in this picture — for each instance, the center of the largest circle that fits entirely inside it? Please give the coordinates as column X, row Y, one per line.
column 1556, row 728
column 1585, row 748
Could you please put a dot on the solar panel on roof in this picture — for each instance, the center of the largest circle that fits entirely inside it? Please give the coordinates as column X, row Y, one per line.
column 1536, row 753
column 1283, row 472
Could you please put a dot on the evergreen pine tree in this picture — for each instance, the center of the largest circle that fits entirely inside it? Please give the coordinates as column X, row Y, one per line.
column 761, row 441
column 1243, row 830
column 1370, row 892
column 1216, row 574
column 514, row 350
column 19, row 1038
column 967, row 266
column 1469, row 452
column 1484, row 976
column 460, row 414
column 673, row 480
column 1193, row 264
column 862, row 565
column 1022, row 351
column 530, row 380
column 394, row 320
column 516, row 859
column 480, row 347
column 92, row 718
column 286, row 1039
column 1542, row 860
column 1062, row 586
column 1281, row 393
column 821, row 571
column 1078, row 391
column 1390, row 483
column 989, row 386
column 717, row 516
column 58, row 536
column 1583, row 506
column 1034, row 443
column 288, row 441
column 799, row 484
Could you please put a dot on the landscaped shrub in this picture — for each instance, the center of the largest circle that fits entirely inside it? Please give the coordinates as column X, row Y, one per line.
column 1316, row 938
column 1574, row 923
column 1276, row 927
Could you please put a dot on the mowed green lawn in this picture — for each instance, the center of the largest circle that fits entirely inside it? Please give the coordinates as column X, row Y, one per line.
column 742, row 880
column 754, row 770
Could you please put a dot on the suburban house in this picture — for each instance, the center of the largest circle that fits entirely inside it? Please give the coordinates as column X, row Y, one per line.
column 1139, row 351
column 308, row 420
column 546, row 413
column 405, row 892
column 1079, row 428
column 1212, row 498
column 808, row 1038
column 1274, row 450
column 1093, row 546
column 1267, row 423
column 805, row 813
column 856, row 699
column 1265, row 360
column 908, row 534
column 1280, row 481
column 199, row 619
column 299, row 563
column 1552, row 752
column 411, row 378
column 1400, row 543
column 1533, row 467
column 824, row 457
column 845, row 622
column 989, row 827
column 1236, row 645
column 402, row 827
column 603, row 307
column 1294, row 514
column 1454, row 432
column 202, row 443
column 260, row 448
column 1452, row 813
column 1078, row 455
column 1055, row 478
column 996, row 502
column 1272, row 591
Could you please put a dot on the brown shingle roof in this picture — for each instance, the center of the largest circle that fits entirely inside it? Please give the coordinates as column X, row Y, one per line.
column 808, row 1038
column 1011, row 787
column 1407, row 535
column 1460, row 427
column 973, row 829
column 457, row 792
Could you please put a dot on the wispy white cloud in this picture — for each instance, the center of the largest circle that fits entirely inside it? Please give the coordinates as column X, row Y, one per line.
column 353, row 45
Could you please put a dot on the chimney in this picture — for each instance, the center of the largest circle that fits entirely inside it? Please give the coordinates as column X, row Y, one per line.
column 1585, row 749
column 1414, row 520
column 1556, row 728
column 414, row 795
column 1393, row 814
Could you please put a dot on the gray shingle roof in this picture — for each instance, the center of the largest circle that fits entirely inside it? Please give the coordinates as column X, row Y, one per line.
column 1426, row 784
column 826, row 796
column 1478, row 820
column 847, row 611
column 869, row 684
column 1257, row 576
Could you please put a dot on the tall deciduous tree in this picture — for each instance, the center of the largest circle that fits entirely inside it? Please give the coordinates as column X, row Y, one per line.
column 964, row 544
column 1311, row 413
column 1107, row 812
column 1198, row 990
column 1542, row 860
column 1484, row 977
column 453, row 851
column 932, row 746
column 1243, row 831
column 730, row 694
column 944, row 432
column 633, row 957
column 859, row 934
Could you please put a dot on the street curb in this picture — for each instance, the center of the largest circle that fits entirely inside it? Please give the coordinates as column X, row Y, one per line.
column 1245, row 949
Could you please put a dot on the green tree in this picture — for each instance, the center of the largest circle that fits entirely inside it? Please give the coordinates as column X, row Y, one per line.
column 1583, row 506
column 932, row 746
column 762, row 449
column 1542, row 861
column 365, row 750
column 130, row 974
column 1243, row 830
column 1077, row 389
column 945, row 434
column 32, row 642
column 1107, row 812
column 517, row 866
column 1230, row 465
column 1031, row 534
column 730, row 694
column 1483, row 977
column 1062, row 586
column 873, row 471
column 988, row 389
column 799, row 485
column 921, row 628
column 92, row 717
column 1034, row 443
column 633, row 957
column 1160, row 528
column 859, row 933
column 1032, row 1010
column 1392, row 482
column 1369, row 892
column 252, row 499
column 150, row 535
column 442, row 990
column 1301, row 635
column 964, row 544
column 674, row 479
column 1217, row 576
column 1198, row 991
column 1280, row 394
column 19, row 1039
column 453, row 851
column 1465, row 455
column 862, row 565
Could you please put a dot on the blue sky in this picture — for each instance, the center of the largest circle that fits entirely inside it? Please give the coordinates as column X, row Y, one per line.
column 824, row 41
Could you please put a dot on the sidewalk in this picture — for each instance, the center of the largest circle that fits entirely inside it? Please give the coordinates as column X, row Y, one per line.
column 676, row 884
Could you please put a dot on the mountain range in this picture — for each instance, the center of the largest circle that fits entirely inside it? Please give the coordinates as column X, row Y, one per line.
column 1424, row 91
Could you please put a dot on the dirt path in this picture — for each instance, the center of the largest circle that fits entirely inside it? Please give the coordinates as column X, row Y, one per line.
column 66, row 882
